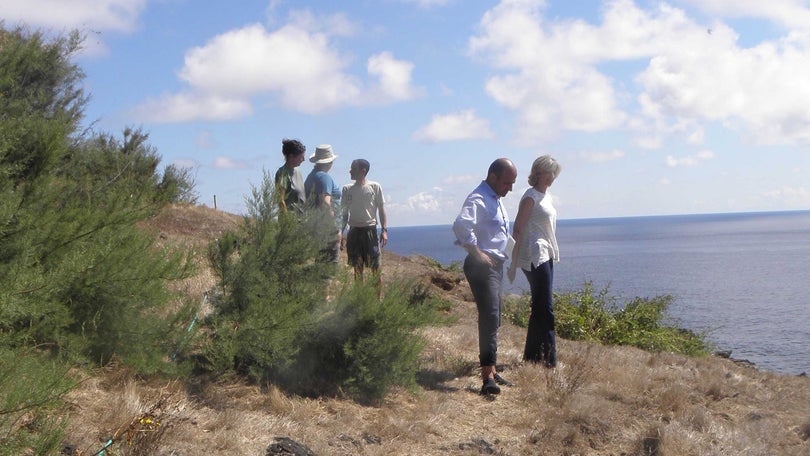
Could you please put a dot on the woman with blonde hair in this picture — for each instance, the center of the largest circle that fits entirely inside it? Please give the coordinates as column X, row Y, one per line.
column 535, row 252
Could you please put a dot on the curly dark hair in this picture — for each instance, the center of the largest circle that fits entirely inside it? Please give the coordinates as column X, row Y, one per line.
column 292, row 147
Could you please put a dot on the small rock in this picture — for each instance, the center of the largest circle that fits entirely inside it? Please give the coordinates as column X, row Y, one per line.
column 481, row 445
column 285, row 446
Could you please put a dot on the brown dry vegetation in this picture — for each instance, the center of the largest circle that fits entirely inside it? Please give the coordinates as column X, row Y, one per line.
column 599, row 401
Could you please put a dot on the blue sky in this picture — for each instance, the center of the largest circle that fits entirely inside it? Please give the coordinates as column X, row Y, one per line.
column 652, row 108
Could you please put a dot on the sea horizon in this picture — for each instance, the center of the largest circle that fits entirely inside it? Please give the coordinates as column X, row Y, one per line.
column 739, row 277
column 647, row 216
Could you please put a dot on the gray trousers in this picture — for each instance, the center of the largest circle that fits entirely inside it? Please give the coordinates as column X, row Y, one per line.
column 486, row 284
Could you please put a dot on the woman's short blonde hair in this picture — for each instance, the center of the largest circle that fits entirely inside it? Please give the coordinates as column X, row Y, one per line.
column 544, row 164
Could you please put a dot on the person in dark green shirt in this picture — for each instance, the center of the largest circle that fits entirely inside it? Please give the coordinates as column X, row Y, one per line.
column 289, row 181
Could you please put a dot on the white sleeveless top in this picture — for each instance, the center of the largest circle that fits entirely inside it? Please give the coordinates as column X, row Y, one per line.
column 539, row 242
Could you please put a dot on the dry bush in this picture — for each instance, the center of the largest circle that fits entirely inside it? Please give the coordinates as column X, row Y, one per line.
column 571, row 376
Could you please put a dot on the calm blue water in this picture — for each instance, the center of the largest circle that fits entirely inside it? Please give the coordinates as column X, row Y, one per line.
column 741, row 277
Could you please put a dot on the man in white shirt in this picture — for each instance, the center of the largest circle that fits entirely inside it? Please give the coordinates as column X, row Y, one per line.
column 361, row 203
column 482, row 228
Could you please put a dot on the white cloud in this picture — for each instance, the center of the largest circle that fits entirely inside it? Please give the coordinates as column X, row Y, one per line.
column 691, row 160
column 547, row 78
column 425, row 207
column 696, row 137
column 462, row 179
column 229, row 163
column 394, row 78
column 457, row 126
column 297, row 66
column 790, row 196
column 184, row 107
column 119, row 15
column 602, row 157
column 788, row 13
column 186, row 163
column 552, row 73
column 423, row 202
column 337, row 24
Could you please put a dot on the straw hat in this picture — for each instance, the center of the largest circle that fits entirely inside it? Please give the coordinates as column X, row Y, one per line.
column 323, row 154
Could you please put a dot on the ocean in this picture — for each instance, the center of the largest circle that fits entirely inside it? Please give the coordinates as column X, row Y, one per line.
column 742, row 278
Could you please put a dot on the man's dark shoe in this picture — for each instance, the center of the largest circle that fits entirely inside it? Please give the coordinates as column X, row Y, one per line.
column 502, row 381
column 490, row 387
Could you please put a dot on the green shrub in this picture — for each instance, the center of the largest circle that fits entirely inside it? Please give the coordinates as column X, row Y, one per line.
column 31, row 390
column 363, row 345
column 586, row 315
column 453, row 266
column 281, row 315
column 78, row 279
column 77, row 276
column 269, row 288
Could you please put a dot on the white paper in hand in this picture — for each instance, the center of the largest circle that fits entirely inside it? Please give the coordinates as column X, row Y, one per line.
column 510, row 244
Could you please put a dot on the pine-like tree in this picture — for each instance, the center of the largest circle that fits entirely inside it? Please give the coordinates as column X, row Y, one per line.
column 78, row 279
column 279, row 317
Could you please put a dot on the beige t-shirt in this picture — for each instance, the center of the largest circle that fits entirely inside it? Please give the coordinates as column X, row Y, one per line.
column 361, row 203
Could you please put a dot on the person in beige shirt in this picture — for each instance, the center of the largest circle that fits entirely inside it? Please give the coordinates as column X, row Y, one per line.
column 363, row 207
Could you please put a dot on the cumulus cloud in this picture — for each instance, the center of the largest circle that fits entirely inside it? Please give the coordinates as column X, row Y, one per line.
column 118, row 15
column 426, row 207
column 394, row 78
column 457, row 126
column 183, row 107
column 423, row 202
column 788, row 13
column 553, row 73
column 547, row 78
column 297, row 66
column 229, row 163
column 690, row 160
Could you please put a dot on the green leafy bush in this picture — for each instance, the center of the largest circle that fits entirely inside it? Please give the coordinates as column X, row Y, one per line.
column 281, row 315
column 586, row 315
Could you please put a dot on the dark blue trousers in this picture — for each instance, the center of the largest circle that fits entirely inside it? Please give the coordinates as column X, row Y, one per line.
column 486, row 284
column 541, row 344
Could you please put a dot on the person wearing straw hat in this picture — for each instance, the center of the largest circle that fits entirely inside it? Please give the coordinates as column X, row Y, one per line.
column 323, row 194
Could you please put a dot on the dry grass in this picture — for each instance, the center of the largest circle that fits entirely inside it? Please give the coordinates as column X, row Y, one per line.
column 598, row 401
